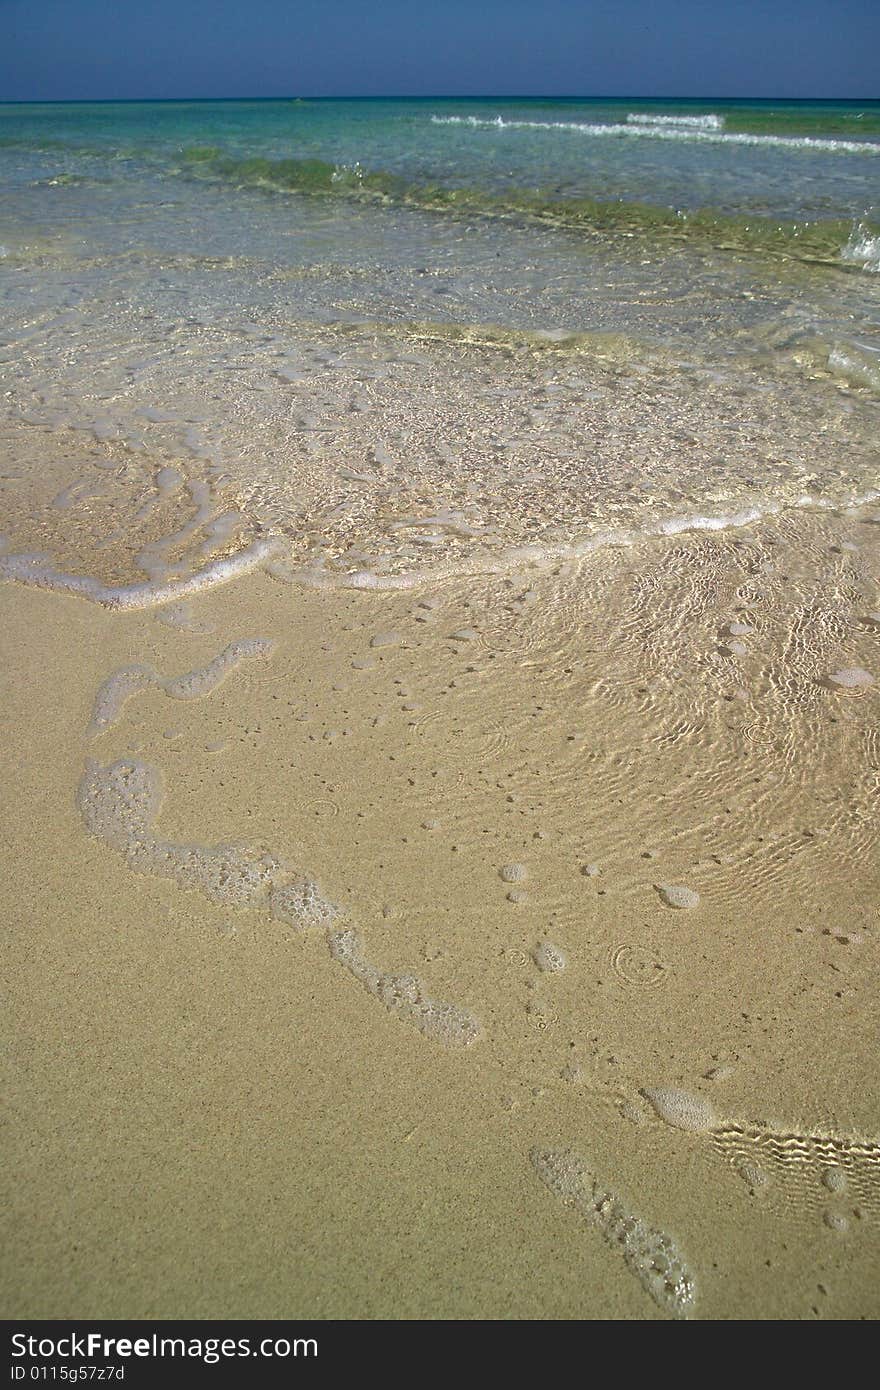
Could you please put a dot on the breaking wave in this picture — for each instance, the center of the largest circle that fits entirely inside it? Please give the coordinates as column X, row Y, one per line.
column 862, row 249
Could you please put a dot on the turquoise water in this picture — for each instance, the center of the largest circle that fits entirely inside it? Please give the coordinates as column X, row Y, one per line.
column 212, row 287
column 789, row 160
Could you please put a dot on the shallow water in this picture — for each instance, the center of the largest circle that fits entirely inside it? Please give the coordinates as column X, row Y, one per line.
column 337, row 321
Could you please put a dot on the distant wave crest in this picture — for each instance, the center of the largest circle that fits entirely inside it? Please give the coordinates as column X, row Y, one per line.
column 676, row 122
column 662, row 128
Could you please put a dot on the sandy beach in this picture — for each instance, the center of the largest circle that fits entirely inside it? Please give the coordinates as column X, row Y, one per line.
column 215, row 1115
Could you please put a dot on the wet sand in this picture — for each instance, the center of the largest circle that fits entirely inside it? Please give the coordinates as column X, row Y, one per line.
column 451, row 1049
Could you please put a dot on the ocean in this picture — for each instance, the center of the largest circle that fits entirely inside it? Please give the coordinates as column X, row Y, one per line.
column 199, row 261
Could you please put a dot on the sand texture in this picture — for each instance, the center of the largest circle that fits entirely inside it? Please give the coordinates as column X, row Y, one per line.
column 504, row 946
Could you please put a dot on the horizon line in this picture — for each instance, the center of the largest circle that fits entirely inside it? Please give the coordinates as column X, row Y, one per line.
column 428, row 96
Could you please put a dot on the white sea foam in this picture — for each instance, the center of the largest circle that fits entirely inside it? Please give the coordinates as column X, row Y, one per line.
column 676, row 122
column 651, row 1255
column 36, row 571
column 405, row 996
column 316, row 575
column 35, row 568
column 153, row 559
column 544, row 554
column 119, row 804
column 646, row 131
column 724, row 522
column 301, row 904
column 117, row 689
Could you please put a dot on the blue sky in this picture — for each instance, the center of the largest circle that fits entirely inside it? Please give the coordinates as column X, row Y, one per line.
column 80, row 49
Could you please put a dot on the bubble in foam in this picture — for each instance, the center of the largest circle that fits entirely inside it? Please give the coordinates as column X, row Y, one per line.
column 548, row 957
column 681, row 1109
column 301, row 904
column 513, row 873
column 676, row 895
column 834, row 1179
column 850, row 678
column 404, row 995
column 651, row 1255
column 228, row 874
column 119, row 803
